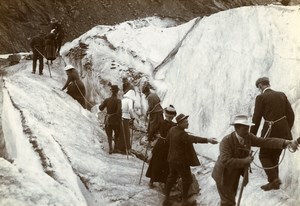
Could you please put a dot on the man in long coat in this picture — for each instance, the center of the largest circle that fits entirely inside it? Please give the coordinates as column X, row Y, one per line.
column 278, row 114
column 155, row 112
column 181, row 156
column 235, row 157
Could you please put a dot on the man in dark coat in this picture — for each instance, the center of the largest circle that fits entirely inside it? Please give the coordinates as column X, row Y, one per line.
column 235, row 157
column 37, row 45
column 113, row 117
column 59, row 34
column 155, row 112
column 278, row 114
column 181, row 156
column 75, row 87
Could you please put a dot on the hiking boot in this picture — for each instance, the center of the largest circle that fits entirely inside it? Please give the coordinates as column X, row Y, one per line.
column 110, row 151
column 275, row 185
column 151, row 185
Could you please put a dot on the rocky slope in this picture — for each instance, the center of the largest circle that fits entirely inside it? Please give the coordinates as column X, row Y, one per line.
column 21, row 20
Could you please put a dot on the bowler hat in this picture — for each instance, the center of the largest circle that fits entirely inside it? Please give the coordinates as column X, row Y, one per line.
column 68, row 67
column 262, row 80
column 181, row 117
column 170, row 111
column 114, row 88
column 242, row 119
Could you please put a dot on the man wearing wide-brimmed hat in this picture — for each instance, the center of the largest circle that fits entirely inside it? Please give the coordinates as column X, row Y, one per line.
column 235, row 156
column 181, row 156
column 113, row 117
column 278, row 116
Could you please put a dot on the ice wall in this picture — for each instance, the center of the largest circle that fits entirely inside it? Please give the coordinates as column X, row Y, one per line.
column 213, row 74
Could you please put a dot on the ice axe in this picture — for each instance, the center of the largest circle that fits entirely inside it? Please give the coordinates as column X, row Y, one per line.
column 245, row 180
column 148, row 145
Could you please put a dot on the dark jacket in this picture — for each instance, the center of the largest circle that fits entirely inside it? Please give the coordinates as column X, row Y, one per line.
column 153, row 104
column 230, row 163
column 75, row 86
column 37, row 44
column 113, row 107
column 181, row 149
column 272, row 105
column 59, row 31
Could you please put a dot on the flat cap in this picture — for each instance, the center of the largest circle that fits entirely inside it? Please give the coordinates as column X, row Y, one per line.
column 262, row 80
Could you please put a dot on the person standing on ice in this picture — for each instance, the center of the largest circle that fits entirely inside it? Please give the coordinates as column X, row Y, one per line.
column 59, row 34
column 279, row 117
column 181, row 156
column 127, row 116
column 75, row 87
column 235, row 157
column 37, row 45
column 155, row 112
column 158, row 169
column 113, row 117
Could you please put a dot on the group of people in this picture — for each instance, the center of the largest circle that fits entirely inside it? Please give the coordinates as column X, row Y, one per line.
column 47, row 46
column 173, row 153
column 119, row 116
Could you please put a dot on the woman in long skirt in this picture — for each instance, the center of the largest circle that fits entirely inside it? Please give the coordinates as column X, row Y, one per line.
column 158, row 169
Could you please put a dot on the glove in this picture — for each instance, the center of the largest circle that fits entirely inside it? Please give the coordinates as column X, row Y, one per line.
column 292, row 145
column 247, row 160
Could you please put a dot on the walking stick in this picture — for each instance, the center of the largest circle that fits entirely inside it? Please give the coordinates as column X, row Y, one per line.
column 131, row 139
column 245, row 181
column 148, row 145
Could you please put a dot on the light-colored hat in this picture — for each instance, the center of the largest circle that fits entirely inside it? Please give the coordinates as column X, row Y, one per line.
column 262, row 80
column 170, row 111
column 53, row 20
column 181, row 117
column 68, row 67
column 242, row 119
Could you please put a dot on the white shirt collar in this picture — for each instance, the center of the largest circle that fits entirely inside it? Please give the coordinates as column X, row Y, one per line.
column 266, row 89
column 240, row 139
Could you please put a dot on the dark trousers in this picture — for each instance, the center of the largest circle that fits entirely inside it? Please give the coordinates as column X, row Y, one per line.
column 270, row 158
column 36, row 56
column 109, row 129
column 227, row 195
column 184, row 172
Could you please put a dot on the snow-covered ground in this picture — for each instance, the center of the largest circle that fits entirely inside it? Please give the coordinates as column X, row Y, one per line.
column 206, row 68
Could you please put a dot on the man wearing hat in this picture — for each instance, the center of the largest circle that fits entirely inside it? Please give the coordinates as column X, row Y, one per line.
column 59, row 33
column 74, row 85
column 181, row 156
column 278, row 114
column 158, row 169
column 235, row 156
column 113, row 117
